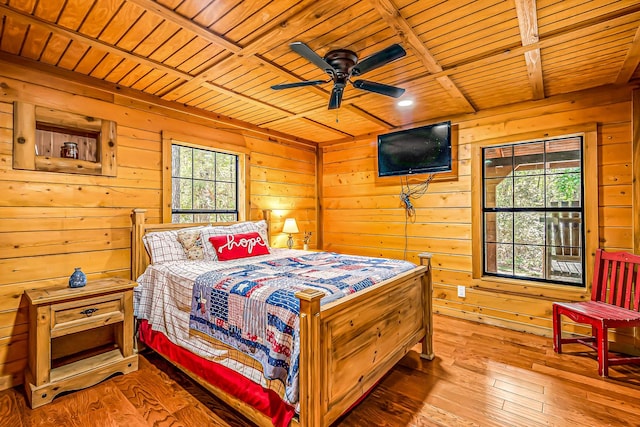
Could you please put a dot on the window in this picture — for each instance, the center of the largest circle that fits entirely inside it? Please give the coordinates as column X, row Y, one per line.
column 204, row 185
column 533, row 211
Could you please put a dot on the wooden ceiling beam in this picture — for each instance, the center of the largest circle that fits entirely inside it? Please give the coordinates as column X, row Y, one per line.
column 347, row 105
column 326, row 127
column 201, row 79
column 255, row 60
column 208, row 35
column 631, row 61
column 187, row 24
column 221, row 90
column 247, row 54
column 186, row 87
column 94, row 43
column 526, row 10
column 365, row 114
column 306, row 18
column 295, row 116
column 394, row 19
column 606, row 95
column 296, row 20
column 33, row 71
column 627, row 16
column 260, row 61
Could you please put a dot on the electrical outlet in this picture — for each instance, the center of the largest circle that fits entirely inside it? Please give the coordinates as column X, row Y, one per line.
column 462, row 292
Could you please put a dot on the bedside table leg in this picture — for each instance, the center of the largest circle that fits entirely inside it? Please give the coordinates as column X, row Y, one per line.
column 125, row 336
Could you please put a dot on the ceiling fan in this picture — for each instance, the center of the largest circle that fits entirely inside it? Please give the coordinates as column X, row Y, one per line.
column 341, row 65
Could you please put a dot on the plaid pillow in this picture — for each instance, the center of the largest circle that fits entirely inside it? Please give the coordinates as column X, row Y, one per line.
column 163, row 246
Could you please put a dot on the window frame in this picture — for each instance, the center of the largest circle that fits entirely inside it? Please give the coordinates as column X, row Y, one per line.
column 546, row 210
column 242, row 170
column 589, row 134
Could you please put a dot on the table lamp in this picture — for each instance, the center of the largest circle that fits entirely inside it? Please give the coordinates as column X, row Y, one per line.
column 290, row 227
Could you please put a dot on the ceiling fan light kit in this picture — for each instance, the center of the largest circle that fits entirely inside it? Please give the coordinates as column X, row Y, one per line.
column 341, row 65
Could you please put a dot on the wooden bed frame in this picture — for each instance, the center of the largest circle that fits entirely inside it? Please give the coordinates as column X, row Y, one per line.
column 347, row 345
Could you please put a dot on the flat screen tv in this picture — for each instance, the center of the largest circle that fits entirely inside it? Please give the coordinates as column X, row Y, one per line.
column 426, row 149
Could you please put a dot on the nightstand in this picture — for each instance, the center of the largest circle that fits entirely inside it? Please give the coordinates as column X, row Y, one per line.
column 78, row 337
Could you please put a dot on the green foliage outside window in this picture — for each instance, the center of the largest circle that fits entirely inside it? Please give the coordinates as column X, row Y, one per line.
column 204, row 185
column 526, row 209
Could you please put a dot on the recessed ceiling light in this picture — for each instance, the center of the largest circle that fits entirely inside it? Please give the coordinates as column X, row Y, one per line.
column 405, row 103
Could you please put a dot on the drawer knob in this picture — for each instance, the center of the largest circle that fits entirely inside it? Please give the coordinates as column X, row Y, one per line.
column 89, row 311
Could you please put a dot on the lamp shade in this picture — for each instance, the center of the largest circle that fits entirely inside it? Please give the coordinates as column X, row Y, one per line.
column 290, row 226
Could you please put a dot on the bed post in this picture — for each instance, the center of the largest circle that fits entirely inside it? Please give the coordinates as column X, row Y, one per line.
column 266, row 214
column 310, row 358
column 427, row 341
column 136, row 243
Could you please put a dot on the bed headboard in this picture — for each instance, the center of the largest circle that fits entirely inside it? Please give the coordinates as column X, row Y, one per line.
column 139, row 256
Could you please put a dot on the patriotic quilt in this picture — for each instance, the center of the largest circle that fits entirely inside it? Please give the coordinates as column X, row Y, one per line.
column 254, row 309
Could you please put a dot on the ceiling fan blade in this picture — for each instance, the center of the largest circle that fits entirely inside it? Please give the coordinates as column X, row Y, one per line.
column 380, row 88
column 378, row 59
column 298, row 84
column 308, row 54
column 336, row 97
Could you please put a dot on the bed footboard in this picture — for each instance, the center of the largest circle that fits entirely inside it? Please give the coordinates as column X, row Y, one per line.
column 347, row 346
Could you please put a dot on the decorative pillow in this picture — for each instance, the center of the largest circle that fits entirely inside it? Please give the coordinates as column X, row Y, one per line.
column 223, row 230
column 191, row 241
column 234, row 246
column 163, row 246
column 263, row 230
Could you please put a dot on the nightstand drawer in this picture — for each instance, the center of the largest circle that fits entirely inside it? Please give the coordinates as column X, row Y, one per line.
column 85, row 314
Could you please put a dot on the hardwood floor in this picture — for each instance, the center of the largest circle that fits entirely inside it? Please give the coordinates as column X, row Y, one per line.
column 481, row 376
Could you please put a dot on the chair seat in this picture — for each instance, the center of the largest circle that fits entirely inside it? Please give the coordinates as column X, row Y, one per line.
column 597, row 310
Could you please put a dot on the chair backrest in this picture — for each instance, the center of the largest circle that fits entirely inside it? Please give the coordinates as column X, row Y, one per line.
column 616, row 279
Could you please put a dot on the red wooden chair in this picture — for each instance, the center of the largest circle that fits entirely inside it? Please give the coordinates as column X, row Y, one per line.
column 615, row 296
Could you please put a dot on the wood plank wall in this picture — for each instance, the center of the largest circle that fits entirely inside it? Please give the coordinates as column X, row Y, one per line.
column 364, row 218
column 53, row 222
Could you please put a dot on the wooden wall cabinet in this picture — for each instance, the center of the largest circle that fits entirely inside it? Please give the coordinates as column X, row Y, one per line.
column 27, row 117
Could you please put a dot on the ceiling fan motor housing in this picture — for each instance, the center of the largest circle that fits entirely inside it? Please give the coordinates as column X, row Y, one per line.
column 342, row 61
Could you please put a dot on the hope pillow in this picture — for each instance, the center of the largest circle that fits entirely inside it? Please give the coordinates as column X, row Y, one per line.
column 243, row 245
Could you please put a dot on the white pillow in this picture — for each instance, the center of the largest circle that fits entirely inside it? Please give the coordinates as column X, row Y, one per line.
column 263, row 230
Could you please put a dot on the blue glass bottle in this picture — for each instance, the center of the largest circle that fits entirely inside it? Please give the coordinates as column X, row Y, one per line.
column 77, row 279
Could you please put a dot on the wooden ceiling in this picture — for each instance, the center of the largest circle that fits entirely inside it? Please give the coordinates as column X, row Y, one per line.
column 222, row 56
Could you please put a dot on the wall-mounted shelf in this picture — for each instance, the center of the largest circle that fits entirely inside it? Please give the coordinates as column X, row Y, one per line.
column 40, row 132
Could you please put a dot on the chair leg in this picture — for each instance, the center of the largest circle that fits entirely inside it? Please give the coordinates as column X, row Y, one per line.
column 557, row 330
column 603, row 351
